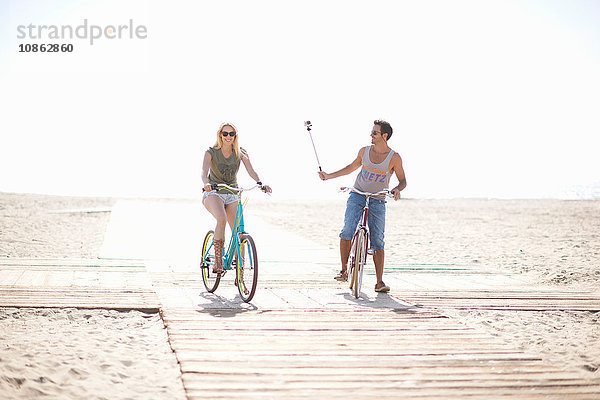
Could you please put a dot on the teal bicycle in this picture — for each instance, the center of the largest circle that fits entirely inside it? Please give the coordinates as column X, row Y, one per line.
column 240, row 256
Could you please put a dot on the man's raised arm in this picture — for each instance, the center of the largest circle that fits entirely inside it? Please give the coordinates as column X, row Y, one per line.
column 348, row 169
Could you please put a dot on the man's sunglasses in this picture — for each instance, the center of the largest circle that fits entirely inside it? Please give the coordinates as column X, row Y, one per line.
column 225, row 134
column 375, row 133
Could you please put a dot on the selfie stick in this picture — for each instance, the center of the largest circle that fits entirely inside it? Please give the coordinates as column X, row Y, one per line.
column 308, row 126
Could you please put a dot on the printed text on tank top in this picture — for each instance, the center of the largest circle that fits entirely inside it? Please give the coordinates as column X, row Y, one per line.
column 374, row 176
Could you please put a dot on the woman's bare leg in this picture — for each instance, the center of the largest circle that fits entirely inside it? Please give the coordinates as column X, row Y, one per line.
column 231, row 210
column 216, row 207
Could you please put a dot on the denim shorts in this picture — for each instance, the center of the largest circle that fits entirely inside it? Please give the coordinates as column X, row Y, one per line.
column 375, row 220
column 227, row 198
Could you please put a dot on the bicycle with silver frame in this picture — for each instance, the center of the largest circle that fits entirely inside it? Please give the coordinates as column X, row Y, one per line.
column 360, row 241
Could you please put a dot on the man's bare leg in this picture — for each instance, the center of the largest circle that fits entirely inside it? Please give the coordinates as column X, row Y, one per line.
column 345, row 247
column 378, row 259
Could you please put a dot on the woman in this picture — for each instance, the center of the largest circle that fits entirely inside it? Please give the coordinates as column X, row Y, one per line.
column 221, row 164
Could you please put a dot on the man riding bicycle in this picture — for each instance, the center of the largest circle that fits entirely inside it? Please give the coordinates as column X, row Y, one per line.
column 378, row 163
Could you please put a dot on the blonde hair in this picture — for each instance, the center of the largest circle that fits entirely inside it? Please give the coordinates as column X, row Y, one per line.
column 235, row 144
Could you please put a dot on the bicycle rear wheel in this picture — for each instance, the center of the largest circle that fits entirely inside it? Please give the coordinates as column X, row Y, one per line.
column 359, row 249
column 210, row 279
column 246, row 268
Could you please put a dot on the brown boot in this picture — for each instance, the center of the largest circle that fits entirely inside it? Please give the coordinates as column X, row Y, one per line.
column 218, row 267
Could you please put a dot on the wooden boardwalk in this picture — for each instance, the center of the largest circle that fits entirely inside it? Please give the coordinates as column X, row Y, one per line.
column 390, row 354
column 304, row 335
column 104, row 284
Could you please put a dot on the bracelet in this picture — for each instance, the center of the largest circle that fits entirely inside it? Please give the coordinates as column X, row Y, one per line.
column 259, row 183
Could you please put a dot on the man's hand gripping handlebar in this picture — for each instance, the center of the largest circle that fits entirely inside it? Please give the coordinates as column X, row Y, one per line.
column 385, row 192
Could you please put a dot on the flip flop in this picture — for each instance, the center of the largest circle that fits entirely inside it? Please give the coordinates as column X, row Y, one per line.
column 383, row 288
column 342, row 276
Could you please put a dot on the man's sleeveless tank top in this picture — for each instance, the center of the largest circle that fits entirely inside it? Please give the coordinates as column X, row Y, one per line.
column 223, row 170
column 374, row 177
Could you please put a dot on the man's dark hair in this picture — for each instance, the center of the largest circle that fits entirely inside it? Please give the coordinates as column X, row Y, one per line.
column 385, row 127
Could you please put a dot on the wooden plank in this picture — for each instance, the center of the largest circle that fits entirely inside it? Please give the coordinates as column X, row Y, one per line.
column 338, row 365
column 337, row 346
column 503, row 294
column 60, row 279
column 58, row 262
column 275, row 391
column 291, row 384
column 33, row 278
column 135, row 270
column 79, row 297
column 303, row 395
column 370, row 318
column 10, row 278
column 507, row 371
column 113, row 279
column 418, row 315
column 392, row 358
column 86, row 278
column 515, row 305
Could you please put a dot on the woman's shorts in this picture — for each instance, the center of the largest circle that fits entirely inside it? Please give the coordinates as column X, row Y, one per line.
column 227, row 198
column 375, row 220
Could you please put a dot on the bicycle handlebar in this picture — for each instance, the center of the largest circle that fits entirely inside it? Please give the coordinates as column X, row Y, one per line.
column 234, row 189
column 353, row 189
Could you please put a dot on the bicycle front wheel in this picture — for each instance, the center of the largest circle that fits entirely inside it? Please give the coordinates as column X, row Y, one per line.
column 246, row 268
column 210, row 279
column 359, row 249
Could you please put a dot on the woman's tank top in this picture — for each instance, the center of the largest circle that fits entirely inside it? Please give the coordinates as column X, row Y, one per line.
column 374, row 177
column 223, row 170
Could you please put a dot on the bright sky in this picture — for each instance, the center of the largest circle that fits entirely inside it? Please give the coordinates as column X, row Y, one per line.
column 486, row 98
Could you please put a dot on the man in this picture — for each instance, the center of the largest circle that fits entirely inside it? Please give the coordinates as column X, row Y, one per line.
column 378, row 163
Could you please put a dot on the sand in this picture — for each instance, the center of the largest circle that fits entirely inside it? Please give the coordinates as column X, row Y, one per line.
column 70, row 353
column 85, row 354
column 52, row 226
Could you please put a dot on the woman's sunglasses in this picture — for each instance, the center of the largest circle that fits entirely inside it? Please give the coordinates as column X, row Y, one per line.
column 225, row 134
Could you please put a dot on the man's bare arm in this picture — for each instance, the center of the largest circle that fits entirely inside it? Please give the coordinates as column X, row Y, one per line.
column 348, row 169
column 399, row 171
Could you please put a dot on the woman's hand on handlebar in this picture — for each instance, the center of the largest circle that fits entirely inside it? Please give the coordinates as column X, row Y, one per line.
column 265, row 188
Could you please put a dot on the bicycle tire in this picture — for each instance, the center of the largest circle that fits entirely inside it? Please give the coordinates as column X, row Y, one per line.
column 247, row 268
column 359, row 262
column 351, row 261
column 351, row 265
column 210, row 279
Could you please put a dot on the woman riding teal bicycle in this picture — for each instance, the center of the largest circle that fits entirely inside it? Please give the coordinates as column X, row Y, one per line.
column 220, row 166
